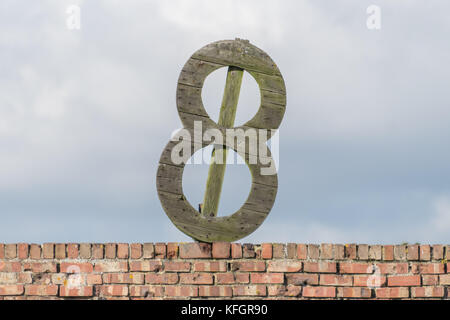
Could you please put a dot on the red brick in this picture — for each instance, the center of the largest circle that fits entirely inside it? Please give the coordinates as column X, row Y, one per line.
column 248, row 266
column 363, row 251
column 279, row 251
column 123, row 278
column 41, row 290
column 72, row 250
column 94, row 279
column 230, row 278
column 388, row 252
column 267, row 278
column 160, row 250
column 11, row 289
column 392, row 267
column 321, row 267
column 266, row 251
column 347, row 292
column 22, row 250
column 85, row 250
column 195, row 250
column 251, row 290
column 248, row 251
column 111, row 266
column 412, row 252
column 146, row 291
column 84, row 291
column 302, row 252
column 196, row 278
column 313, row 251
column 386, row 293
column 326, row 251
column 136, row 250
column 373, row 280
column 319, row 292
column 430, row 280
column 400, row 252
column 339, row 252
column 211, row 266
column 177, row 266
column 335, row 280
column 122, row 251
column 97, row 251
column 302, row 279
column 403, row 281
column 425, row 252
column 428, row 268
column 444, row 279
column 146, row 265
column 427, row 292
column 350, row 251
column 24, row 277
column 110, row 250
column 221, row 250
column 291, row 250
column 148, row 251
column 40, row 266
column 215, row 291
column 114, row 290
column 35, row 251
column 236, row 251
column 76, row 267
column 375, row 252
column 284, row 266
column 10, row 251
column 161, row 278
column 181, row 291
column 60, row 251
column 2, row 251
column 348, row 267
column 10, row 266
column 438, row 252
column 172, row 250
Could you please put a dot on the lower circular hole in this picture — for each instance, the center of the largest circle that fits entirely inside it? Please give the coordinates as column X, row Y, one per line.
column 236, row 185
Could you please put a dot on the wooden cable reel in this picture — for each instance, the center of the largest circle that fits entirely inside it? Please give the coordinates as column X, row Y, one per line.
column 238, row 55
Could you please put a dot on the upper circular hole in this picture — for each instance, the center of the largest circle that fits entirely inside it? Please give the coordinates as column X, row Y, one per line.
column 249, row 97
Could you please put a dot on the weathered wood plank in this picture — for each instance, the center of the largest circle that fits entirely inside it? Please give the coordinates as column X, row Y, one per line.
column 195, row 71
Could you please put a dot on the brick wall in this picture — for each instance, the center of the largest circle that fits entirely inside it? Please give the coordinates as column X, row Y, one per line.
column 198, row 270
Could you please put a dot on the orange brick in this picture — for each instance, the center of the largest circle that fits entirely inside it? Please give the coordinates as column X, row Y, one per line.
column 160, row 250
column 348, row 267
column 122, row 251
column 112, row 266
column 114, row 290
column 221, row 250
column 267, row 278
column 177, row 266
column 369, row 280
column 392, row 267
column 335, row 280
column 146, row 291
column 161, row 278
column 22, row 250
column 250, row 290
column 72, row 250
column 388, row 252
column 10, row 266
column 181, row 291
column 348, row 292
column 444, row 279
column 428, row 268
column 210, row 266
column 76, row 267
column 403, row 281
column 11, row 289
column 302, row 251
column 427, row 292
column 425, row 252
column 84, row 291
column 35, row 251
column 196, row 278
column 236, row 251
column 302, row 279
column 321, row 267
column 110, row 250
column 41, row 290
column 60, row 251
column 172, row 250
column 146, row 265
column 136, row 251
column 387, row 293
column 230, row 278
column 215, row 291
column 319, row 292
column 248, row 266
column 284, row 266
column 124, row 278
column 10, row 251
column 195, row 250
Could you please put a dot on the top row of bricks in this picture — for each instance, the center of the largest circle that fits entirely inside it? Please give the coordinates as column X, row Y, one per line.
column 224, row 250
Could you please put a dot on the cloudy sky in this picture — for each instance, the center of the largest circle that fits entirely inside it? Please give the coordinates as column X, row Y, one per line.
column 85, row 114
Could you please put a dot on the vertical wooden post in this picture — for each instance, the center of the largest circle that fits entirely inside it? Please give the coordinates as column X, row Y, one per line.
column 227, row 116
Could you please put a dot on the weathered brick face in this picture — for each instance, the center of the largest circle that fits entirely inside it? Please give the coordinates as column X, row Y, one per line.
column 223, row 270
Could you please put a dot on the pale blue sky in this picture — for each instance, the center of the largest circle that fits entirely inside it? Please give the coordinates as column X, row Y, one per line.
column 85, row 114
